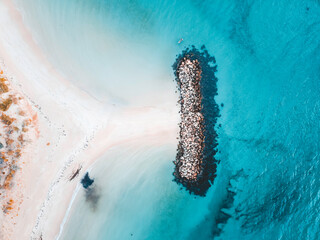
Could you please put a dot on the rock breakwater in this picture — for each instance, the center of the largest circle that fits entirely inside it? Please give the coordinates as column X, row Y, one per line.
column 195, row 164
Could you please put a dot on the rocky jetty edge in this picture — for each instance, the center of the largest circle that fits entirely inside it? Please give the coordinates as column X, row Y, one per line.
column 195, row 164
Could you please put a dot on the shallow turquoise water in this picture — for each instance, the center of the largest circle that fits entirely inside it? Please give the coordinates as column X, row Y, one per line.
column 268, row 57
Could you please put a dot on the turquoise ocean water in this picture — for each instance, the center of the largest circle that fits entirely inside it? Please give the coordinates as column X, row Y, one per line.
column 268, row 57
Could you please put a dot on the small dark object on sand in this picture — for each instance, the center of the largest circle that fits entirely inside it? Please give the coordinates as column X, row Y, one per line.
column 76, row 173
column 1, row 145
column 86, row 181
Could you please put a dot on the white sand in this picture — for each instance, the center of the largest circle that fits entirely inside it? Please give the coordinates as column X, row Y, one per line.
column 79, row 129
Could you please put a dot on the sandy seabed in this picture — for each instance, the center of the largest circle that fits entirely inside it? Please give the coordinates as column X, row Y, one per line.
column 70, row 129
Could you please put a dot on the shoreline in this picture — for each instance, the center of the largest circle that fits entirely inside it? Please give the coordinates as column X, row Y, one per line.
column 79, row 136
column 66, row 216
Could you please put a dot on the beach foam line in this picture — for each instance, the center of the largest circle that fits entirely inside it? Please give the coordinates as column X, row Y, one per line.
column 75, row 193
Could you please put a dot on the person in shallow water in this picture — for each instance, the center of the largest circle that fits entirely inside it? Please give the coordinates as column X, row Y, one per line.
column 86, row 181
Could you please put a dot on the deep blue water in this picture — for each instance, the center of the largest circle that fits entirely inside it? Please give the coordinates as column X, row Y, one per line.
column 268, row 58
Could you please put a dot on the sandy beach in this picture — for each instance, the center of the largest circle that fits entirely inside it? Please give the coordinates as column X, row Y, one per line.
column 71, row 129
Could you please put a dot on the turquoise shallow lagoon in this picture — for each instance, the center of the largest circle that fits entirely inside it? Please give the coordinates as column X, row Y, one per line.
column 134, row 198
column 268, row 59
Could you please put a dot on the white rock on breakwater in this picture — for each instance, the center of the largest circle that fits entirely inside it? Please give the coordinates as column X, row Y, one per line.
column 191, row 126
